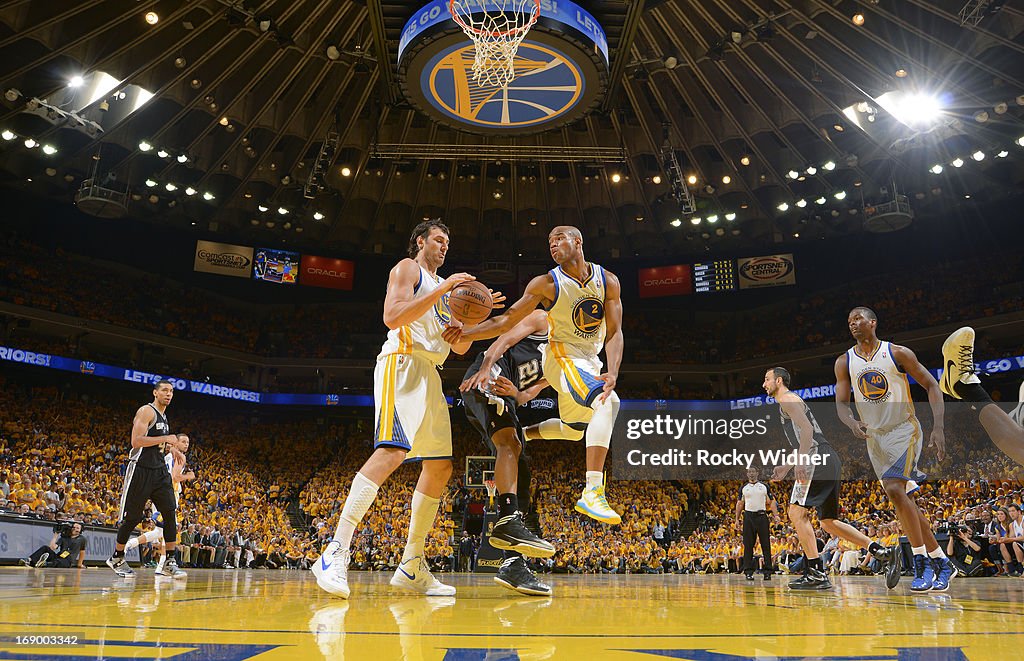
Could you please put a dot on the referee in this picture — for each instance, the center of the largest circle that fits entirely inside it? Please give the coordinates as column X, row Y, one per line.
column 754, row 501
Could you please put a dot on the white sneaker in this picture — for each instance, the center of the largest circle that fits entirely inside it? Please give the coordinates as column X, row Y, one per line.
column 412, row 574
column 1018, row 413
column 171, row 570
column 594, row 504
column 958, row 361
column 331, row 570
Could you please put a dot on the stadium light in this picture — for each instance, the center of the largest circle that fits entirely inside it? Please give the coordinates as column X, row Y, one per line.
column 76, row 81
column 695, row 220
column 150, row 183
column 1002, row 154
column 811, row 170
column 318, row 216
column 30, row 143
column 957, row 162
column 829, row 165
column 978, row 155
column 801, row 203
column 936, row 169
column 676, row 223
column 171, row 188
column 713, row 219
column 208, row 196
column 783, row 207
column 793, row 174
column 145, row 146
column 190, row 191
column 820, row 201
column 49, row 150
column 262, row 208
column 841, row 195
column 730, row 216
column 282, row 211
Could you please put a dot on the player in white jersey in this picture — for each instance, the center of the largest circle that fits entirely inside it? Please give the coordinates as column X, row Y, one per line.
column 876, row 372
column 411, row 413
column 175, row 462
column 584, row 315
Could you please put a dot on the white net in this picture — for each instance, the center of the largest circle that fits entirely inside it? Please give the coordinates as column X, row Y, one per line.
column 497, row 27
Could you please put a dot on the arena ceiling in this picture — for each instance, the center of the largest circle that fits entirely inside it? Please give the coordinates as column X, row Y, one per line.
column 245, row 96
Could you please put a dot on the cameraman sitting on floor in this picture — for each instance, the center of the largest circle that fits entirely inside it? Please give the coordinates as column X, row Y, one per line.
column 66, row 549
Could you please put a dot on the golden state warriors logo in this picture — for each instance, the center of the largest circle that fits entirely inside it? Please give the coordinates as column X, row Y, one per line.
column 587, row 316
column 547, row 85
column 873, row 385
column 442, row 312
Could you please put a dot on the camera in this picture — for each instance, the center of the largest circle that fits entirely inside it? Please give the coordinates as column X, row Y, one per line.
column 63, row 529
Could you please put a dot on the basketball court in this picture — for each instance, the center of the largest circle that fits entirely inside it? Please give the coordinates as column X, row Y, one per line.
column 235, row 615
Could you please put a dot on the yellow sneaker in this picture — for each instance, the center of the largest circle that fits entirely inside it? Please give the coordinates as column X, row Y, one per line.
column 958, row 361
column 593, row 504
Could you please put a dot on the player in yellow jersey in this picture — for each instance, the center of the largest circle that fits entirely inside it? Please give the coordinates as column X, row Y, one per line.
column 584, row 315
column 412, row 421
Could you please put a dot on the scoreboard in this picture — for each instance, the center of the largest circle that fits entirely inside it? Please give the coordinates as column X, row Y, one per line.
column 716, row 276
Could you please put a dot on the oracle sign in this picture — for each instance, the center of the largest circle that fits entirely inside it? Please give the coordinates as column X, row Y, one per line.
column 665, row 281
column 326, row 272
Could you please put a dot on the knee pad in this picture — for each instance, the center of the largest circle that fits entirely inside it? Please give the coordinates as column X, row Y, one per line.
column 599, row 431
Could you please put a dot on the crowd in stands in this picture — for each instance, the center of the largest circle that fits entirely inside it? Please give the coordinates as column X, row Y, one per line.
column 906, row 299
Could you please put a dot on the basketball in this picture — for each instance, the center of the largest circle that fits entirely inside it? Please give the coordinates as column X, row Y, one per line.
column 470, row 302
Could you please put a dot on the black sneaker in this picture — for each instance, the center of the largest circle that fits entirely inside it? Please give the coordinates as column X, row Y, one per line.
column 514, row 574
column 767, row 576
column 891, row 556
column 120, row 567
column 749, row 577
column 509, row 534
column 532, row 522
column 814, row 580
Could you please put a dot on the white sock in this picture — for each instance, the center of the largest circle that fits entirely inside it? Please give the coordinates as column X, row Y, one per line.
column 594, row 479
column 936, row 553
column 599, row 430
column 360, row 497
column 918, row 550
column 421, row 520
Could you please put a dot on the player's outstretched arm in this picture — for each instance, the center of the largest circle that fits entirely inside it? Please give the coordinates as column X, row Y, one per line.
column 843, row 390
column 908, row 362
column 540, row 290
column 613, row 343
column 400, row 306
column 535, row 322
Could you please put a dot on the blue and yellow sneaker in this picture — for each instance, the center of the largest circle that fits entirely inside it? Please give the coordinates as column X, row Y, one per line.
column 593, row 504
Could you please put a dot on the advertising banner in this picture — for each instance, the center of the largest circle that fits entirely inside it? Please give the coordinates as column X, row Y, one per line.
column 767, row 271
column 223, row 259
column 666, row 281
column 326, row 272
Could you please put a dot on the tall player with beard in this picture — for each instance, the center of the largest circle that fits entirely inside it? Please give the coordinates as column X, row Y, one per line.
column 491, row 408
column 876, row 373
column 583, row 306
column 412, row 421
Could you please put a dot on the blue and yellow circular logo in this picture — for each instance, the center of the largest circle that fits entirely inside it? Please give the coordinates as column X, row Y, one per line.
column 873, row 385
column 587, row 315
column 442, row 311
column 547, row 85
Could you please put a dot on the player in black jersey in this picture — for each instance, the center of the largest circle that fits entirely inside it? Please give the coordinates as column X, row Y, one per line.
column 515, row 379
column 147, row 478
column 818, row 486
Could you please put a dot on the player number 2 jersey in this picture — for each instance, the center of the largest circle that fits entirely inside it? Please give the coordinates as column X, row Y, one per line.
column 880, row 389
column 576, row 318
column 422, row 337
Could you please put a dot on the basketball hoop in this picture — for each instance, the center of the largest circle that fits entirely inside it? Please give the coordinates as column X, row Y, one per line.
column 492, row 491
column 497, row 27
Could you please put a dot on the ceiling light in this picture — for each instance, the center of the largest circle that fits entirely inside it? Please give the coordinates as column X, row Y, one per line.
column 656, row 179
column 811, row 170
column 196, row 83
column 153, row 199
column 1003, row 154
column 163, row 153
column 76, row 81
column 801, row 203
column 838, row 127
column 208, row 196
column 796, row 235
column 30, row 143
column 793, row 174
column 783, row 207
column 726, row 180
column 692, row 179
column 224, row 121
column 152, row 17
column 957, row 162
column 978, row 155
column 841, row 195
column 8, row 135
column 936, row 169
column 829, row 165
column 49, row 150
column 901, row 73
column 282, row 211
column 858, row 19
column 318, row 216
column 190, row 191
column 145, row 146
column 150, row 183
column 333, row 53
column 496, row 194
column 695, row 220
column 981, row 116
column 730, row 216
column 713, row 218
column 182, row 158
column 171, row 188
column 180, row 62
column 820, row 201
column 616, row 178
column 1020, row 141
column 744, row 160
column 676, row 223
column 261, row 208
column 346, row 171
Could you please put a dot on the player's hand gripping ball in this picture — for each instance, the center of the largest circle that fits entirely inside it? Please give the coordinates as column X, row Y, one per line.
column 470, row 302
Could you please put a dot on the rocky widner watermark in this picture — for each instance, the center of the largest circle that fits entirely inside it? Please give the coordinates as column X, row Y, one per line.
column 712, row 441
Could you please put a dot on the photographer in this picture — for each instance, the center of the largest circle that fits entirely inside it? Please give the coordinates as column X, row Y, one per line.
column 66, row 549
column 964, row 549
